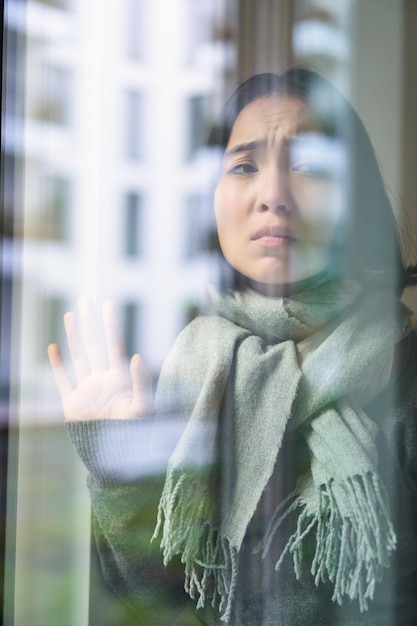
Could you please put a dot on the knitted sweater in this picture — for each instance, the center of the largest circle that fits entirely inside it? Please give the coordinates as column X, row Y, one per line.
column 126, row 462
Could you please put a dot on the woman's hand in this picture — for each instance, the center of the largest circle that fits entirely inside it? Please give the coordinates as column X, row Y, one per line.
column 106, row 387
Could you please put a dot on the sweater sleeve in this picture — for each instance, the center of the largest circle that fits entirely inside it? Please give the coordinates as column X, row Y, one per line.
column 398, row 460
column 126, row 461
column 406, row 505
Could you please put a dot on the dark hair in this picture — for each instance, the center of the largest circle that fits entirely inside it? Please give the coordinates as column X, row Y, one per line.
column 366, row 245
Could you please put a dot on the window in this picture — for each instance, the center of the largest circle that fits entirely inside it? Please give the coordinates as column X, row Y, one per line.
column 51, row 204
column 59, row 4
column 135, row 35
column 104, row 158
column 132, row 217
column 211, row 32
column 200, row 20
column 54, row 97
column 130, row 321
column 198, row 123
column 58, row 206
column 52, row 310
column 196, row 230
column 133, row 139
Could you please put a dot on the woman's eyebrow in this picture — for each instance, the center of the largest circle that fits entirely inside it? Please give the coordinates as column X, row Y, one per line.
column 244, row 147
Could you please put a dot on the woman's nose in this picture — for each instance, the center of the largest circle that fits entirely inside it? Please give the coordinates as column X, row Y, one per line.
column 274, row 191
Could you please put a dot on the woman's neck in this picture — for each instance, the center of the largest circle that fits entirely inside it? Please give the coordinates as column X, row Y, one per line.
column 288, row 289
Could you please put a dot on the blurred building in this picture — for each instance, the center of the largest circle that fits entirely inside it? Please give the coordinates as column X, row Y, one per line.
column 120, row 96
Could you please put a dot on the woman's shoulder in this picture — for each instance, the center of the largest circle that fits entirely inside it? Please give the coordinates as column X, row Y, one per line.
column 395, row 408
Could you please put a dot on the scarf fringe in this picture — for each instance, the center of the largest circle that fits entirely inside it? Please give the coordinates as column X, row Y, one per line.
column 352, row 550
column 210, row 562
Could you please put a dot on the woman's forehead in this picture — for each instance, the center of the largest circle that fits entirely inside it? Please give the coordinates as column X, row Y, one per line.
column 273, row 115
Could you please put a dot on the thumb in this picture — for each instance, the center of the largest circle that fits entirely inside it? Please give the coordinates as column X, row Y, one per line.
column 142, row 397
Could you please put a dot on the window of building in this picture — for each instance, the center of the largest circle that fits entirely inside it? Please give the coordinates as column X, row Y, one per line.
column 200, row 18
column 49, row 204
column 131, row 323
column 54, row 98
column 58, row 207
column 52, row 310
column 135, row 31
column 196, row 233
column 59, row 4
column 198, row 109
column 132, row 224
column 211, row 33
column 133, row 139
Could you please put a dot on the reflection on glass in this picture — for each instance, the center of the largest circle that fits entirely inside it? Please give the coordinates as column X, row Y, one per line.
column 132, row 224
column 131, row 327
column 54, row 100
column 198, row 108
column 52, row 310
column 131, row 193
column 59, row 4
column 134, row 125
column 135, row 17
column 58, row 206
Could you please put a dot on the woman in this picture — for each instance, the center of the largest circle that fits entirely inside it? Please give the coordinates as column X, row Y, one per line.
column 291, row 391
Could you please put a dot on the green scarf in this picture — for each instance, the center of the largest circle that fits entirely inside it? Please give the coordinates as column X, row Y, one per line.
column 311, row 361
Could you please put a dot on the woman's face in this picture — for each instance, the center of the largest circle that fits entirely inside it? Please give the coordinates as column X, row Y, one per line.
column 279, row 196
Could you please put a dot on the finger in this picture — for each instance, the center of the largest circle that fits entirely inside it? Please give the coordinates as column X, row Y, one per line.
column 142, row 398
column 115, row 344
column 76, row 347
column 94, row 344
column 59, row 371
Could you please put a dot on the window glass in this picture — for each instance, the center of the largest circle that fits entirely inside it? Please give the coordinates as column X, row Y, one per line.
column 211, row 34
column 52, row 310
column 198, row 225
column 198, row 108
column 58, row 205
column 132, row 231
column 120, row 206
column 135, row 29
column 59, row 4
column 134, row 124
column 54, row 98
column 131, row 326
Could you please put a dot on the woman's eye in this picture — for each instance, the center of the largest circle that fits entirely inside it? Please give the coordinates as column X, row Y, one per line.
column 243, row 168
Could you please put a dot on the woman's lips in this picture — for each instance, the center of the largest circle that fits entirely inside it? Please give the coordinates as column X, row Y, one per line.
column 270, row 236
